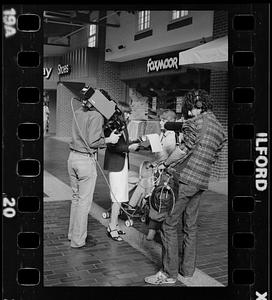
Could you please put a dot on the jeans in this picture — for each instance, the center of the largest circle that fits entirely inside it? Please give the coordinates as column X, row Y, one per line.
column 82, row 172
column 179, row 248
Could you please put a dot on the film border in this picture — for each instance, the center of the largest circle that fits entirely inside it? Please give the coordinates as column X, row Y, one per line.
column 15, row 186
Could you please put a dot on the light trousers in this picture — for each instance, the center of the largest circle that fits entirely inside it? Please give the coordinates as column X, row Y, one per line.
column 83, row 174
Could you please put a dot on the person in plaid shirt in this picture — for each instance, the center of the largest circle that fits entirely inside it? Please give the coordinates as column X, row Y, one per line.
column 203, row 138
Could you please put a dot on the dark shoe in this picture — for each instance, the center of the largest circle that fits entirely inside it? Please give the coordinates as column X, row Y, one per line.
column 129, row 209
column 186, row 276
column 121, row 232
column 113, row 234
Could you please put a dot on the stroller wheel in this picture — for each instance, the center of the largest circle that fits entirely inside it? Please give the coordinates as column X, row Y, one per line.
column 129, row 223
column 143, row 219
column 105, row 215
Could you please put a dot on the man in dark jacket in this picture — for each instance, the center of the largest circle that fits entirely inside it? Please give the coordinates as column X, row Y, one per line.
column 117, row 163
column 203, row 138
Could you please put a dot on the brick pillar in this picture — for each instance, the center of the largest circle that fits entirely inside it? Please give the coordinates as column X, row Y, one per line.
column 108, row 76
column 64, row 114
column 220, row 23
column 219, row 91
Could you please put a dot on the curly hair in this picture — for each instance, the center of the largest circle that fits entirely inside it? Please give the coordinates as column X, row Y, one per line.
column 197, row 99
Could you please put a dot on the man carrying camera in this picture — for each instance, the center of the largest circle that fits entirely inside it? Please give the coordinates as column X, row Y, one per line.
column 203, row 138
column 87, row 137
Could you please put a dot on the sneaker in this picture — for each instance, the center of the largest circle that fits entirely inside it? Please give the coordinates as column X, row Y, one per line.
column 160, row 278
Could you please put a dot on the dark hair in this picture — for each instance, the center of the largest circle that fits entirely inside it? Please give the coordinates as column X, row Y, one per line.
column 124, row 106
column 197, row 99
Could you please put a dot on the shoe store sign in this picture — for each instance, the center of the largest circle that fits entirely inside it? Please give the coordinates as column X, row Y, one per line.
column 61, row 70
column 167, row 63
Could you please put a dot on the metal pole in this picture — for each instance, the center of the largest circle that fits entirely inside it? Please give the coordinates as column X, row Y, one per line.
column 64, row 23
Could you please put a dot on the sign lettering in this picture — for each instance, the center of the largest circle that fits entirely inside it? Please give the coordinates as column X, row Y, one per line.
column 162, row 64
column 9, row 20
column 261, row 296
column 261, row 162
column 66, row 69
column 47, row 72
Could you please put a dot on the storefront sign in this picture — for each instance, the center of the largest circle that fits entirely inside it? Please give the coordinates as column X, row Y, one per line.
column 47, row 72
column 62, row 70
column 162, row 64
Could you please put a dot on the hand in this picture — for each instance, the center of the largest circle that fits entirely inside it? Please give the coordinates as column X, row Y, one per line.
column 113, row 138
column 151, row 165
column 161, row 166
column 143, row 138
column 133, row 147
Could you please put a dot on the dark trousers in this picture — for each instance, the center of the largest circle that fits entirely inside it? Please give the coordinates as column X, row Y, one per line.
column 156, row 225
column 179, row 248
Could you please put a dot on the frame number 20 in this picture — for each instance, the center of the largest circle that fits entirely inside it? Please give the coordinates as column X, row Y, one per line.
column 8, row 207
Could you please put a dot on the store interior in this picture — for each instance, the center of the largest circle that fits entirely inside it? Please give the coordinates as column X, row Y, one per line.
column 166, row 88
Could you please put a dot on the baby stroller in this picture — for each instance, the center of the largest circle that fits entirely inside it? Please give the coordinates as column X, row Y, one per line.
column 148, row 192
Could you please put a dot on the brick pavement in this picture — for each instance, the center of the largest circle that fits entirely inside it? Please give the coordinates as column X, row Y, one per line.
column 212, row 223
column 103, row 262
column 212, row 241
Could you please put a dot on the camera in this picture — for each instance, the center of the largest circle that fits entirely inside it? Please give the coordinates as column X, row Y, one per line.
column 102, row 101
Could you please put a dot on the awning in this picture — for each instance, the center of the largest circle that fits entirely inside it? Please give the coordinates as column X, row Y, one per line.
column 212, row 55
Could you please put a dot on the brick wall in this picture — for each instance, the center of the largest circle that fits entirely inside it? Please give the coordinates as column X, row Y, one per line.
column 220, row 23
column 219, row 91
column 64, row 113
column 108, row 75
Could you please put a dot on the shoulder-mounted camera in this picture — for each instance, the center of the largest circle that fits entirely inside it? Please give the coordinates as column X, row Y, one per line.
column 102, row 101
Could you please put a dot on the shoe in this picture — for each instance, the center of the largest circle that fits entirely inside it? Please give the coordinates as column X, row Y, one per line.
column 186, row 276
column 121, row 232
column 113, row 234
column 160, row 278
column 129, row 209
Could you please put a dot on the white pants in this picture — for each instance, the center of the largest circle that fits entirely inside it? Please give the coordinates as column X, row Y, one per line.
column 119, row 184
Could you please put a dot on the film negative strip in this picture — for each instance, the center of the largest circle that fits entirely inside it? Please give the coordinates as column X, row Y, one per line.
column 25, row 264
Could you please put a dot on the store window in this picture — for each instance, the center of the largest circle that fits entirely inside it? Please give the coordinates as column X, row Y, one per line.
column 92, row 36
column 143, row 20
column 178, row 14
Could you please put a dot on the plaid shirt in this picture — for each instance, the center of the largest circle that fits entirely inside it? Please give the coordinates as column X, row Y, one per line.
column 198, row 167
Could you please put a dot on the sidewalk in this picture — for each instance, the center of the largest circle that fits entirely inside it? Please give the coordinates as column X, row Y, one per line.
column 212, row 235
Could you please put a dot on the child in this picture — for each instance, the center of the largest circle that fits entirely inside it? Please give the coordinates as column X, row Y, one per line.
column 168, row 142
